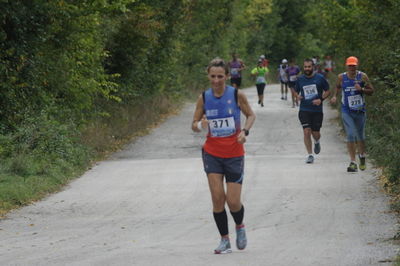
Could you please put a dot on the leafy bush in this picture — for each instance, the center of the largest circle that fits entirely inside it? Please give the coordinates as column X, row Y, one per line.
column 384, row 128
column 40, row 144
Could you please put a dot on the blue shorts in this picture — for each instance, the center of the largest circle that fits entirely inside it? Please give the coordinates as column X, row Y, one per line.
column 354, row 125
column 231, row 168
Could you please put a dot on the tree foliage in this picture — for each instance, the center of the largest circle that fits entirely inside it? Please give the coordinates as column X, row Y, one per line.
column 370, row 30
column 65, row 63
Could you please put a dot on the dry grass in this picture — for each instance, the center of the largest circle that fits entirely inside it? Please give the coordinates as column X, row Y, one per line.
column 103, row 136
column 126, row 123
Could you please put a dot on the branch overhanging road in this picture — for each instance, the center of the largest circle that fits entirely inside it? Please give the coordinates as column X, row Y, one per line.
column 150, row 204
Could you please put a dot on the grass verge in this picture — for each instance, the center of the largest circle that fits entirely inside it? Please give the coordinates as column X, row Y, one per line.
column 43, row 155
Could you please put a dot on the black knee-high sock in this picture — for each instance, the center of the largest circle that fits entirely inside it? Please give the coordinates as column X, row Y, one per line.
column 221, row 219
column 238, row 216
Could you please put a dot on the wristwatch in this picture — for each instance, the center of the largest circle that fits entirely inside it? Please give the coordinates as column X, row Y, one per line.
column 246, row 132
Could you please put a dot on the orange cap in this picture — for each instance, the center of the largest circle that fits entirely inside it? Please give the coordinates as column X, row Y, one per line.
column 351, row 61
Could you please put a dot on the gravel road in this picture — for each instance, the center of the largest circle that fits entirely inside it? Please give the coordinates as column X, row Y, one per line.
column 149, row 204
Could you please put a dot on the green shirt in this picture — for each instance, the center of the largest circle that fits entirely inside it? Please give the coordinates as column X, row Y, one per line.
column 260, row 72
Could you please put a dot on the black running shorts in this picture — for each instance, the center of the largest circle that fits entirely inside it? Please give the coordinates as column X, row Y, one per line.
column 237, row 81
column 260, row 88
column 311, row 120
column 231, row 168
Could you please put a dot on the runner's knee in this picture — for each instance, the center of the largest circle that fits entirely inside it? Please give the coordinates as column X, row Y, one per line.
column 218, row 202
column 234, row 203
column 307, row 132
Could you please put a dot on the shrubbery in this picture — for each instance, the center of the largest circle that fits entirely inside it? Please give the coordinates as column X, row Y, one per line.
column 73, row 73
column 384, row 117
column 366, row 29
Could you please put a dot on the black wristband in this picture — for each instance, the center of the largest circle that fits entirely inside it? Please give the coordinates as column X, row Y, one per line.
column 246, row 132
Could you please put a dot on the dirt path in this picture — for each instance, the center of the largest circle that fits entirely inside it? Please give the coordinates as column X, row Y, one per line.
column 150, row 204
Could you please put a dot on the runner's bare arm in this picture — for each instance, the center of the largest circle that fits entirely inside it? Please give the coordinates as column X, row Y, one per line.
column 246, row 110
column 326, row 94
column 296, row 95
column 337, row 89
column 368, row 88
column 243, row 66
column 199, row 115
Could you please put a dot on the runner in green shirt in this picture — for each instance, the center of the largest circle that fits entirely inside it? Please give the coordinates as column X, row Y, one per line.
column 260, row 72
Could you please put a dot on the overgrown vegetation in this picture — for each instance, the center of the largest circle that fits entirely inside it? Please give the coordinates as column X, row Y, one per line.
column 79, row 77
column 370, row 31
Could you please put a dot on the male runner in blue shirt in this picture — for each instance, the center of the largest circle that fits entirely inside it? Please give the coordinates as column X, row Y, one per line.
column 311, row 88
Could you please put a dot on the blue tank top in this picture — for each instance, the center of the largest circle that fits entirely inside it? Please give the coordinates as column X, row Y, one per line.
column 352, row 99
column 223, row 113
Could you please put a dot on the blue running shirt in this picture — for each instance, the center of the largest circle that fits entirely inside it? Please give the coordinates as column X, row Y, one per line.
column 222, row 113
column 352, row 99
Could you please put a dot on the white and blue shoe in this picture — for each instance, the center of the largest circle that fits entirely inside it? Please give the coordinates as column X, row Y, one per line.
column 224, row 246
column 310, row 159
column 241, row 239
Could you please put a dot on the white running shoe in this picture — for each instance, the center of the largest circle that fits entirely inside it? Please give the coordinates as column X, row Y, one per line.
column 310, row 159
column 224, row 246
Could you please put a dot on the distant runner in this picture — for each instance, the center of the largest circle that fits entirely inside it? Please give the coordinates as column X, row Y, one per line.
column 265, row 62
column 317, row 65
column 283, row 78
column 354, row 85
column 235, row 67
column 311, row 88
column 218, row 111
column 260, row 73
column 293, row 71
column 329, row 65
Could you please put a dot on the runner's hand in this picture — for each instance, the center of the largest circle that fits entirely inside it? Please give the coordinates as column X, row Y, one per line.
column 241, row 138
column 333, row 100
column 204, row 123
column 317, row 102
column 201, row 125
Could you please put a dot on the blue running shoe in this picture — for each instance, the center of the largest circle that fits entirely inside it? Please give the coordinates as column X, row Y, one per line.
column 224, row 246
column 241, row 239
